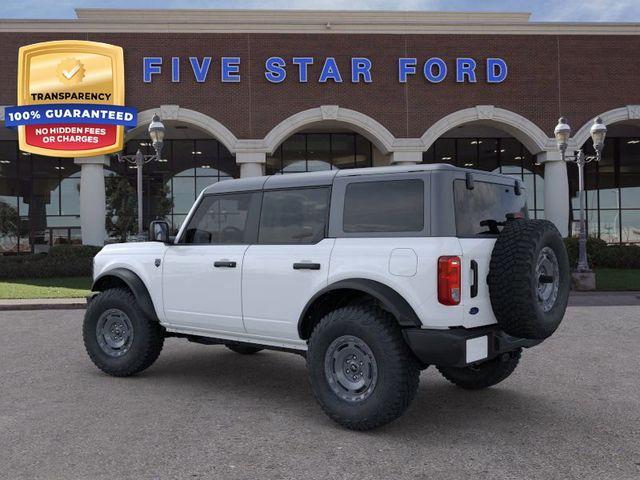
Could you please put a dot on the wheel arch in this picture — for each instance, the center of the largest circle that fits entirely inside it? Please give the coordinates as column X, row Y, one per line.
column 344, row 291
column 123, row 277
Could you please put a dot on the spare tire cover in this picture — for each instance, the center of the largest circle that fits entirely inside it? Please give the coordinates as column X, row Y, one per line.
column 529, row 278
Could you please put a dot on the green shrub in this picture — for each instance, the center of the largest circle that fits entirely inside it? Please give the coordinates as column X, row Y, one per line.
column 74, row 251
column 61, row 261
column 601, row 255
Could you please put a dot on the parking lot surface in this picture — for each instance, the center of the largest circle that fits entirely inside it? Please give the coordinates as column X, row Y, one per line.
column 571, row 410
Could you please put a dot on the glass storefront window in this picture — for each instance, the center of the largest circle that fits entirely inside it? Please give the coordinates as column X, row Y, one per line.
column 511, row 155
column 610, row 226
column 318, row 151
column 184, row 192
column 364, row 152
column 445, row 151
column 45, row 191
column 505, row 155
column 204, row 182
column 343, row 150
column 293, row 154
column 306, row 152
column 488, row 153
column 629, row 172
column 70, row 196
column 182, row 159
column 630, row 224
column 467, row 152
column 8, row 159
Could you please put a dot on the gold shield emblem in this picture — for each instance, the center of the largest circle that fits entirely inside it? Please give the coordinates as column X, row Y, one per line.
column 71, row 72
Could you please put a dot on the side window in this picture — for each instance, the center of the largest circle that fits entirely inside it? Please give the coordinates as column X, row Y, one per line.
column 229, row 218
column 483, row 210
column 384, row 206
column 295, row 216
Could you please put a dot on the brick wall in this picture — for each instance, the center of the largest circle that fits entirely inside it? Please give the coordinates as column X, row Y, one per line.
column 578, row 76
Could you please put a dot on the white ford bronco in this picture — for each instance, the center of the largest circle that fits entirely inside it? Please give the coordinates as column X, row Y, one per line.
column 371, row 274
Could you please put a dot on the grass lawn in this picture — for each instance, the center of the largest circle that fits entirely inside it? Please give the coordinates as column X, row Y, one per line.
column 76, row 287
column 617, row 279
column 70, row 287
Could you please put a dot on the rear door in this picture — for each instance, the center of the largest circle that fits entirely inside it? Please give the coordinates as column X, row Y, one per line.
column 289, row 263
column 202, row 274
column 480, row 214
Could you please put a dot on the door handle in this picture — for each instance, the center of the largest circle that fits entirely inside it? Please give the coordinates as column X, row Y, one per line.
column 306, row 266
column 224, row 263
column 474, row 271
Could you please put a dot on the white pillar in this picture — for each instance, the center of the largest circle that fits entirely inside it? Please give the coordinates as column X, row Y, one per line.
column 93, row 209
column 251, row 163
column 405, row 158
column 556, row 190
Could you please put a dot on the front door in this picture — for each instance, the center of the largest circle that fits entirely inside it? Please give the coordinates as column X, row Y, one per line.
column 202, row 273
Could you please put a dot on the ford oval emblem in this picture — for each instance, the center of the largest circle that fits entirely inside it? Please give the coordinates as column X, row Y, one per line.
column 474, row 310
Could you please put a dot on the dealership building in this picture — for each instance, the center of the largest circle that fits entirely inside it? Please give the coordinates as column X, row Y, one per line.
column 247, row 93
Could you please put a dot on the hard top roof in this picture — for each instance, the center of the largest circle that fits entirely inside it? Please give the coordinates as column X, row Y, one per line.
column 326, row 177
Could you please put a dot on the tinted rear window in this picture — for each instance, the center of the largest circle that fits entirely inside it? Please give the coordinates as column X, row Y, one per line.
column 385, row 206
column 483, row 210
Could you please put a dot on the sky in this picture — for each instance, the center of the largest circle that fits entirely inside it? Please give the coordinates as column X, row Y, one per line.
column 542, row 10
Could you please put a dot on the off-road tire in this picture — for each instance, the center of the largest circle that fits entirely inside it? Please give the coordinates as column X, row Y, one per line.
column 485, row 374
column 398, row 370
column 243, row 349
column 147, row 341
column 513, row 284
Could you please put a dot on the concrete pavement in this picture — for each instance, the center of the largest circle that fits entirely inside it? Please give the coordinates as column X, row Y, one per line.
column 571, row 410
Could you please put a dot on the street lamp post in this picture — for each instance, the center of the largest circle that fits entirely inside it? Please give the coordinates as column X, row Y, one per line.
column 156, row 133
column 562, row 133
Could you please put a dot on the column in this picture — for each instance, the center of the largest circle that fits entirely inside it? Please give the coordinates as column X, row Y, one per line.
column 556, row 190
column 251, row 163
column 405, row 158
column 93, row 208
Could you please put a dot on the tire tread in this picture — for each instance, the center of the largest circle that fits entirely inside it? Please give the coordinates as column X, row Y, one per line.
column 151, row 331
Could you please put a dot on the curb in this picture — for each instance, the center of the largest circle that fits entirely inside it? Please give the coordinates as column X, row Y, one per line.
column 20, row 306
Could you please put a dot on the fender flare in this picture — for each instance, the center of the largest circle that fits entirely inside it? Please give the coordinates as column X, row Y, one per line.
column 135, row 284
column 391, row 300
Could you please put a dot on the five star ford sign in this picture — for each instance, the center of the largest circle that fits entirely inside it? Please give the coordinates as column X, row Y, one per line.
column 70, row 99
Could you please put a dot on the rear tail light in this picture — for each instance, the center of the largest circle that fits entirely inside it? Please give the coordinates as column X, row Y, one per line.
column 449, row 280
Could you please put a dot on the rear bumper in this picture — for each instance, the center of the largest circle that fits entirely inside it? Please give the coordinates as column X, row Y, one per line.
column 460, row 347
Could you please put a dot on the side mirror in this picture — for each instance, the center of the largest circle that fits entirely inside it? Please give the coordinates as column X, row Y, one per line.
column 159, row 231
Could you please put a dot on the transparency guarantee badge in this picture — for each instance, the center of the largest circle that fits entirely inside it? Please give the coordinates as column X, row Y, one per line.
column 71, row 99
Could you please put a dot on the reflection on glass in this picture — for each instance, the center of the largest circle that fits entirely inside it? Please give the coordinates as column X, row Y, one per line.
column 343, row 149
column 630, row 226
column 203, row 182
column 70, row 196
column 610, row 226
column 445, row 151
column 630, row 196
column 182, row 160
column 294, row 154
column 184, row 192
column 363, row 152
column 306, row 152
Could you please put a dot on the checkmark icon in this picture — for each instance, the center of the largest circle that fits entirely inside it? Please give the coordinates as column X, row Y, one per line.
column 71, row 73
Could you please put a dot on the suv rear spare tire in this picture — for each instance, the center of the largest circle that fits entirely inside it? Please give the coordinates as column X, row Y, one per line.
column 529, row 278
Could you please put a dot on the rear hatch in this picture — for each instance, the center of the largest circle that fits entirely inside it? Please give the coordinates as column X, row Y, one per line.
column 481, row 210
